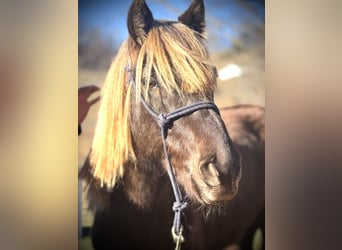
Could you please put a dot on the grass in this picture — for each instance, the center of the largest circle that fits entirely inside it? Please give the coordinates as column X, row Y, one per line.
column 85, row 244
column 257, row 240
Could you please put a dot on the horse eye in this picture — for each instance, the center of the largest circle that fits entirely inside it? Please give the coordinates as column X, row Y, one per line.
column 153, row 84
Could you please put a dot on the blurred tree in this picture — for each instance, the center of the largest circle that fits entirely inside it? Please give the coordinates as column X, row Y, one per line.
column 94, row 49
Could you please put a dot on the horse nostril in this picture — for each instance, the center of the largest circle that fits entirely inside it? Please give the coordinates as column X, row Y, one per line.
column 209, row 172
column 212, row 170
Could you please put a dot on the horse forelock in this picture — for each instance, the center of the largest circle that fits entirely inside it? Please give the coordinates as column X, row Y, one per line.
column 179, row 60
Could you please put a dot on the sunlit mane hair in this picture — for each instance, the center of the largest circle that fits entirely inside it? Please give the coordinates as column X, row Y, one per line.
column 178, row 58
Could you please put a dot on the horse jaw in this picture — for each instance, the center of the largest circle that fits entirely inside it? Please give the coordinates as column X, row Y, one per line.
column 140, row 183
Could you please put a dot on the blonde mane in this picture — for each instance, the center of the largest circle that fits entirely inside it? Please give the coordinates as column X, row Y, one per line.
column 179, row 60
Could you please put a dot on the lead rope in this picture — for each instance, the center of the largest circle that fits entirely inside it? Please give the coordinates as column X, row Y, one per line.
column 165, row 122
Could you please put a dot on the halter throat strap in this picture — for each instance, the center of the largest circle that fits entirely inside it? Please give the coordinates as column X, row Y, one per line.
column 165, row 121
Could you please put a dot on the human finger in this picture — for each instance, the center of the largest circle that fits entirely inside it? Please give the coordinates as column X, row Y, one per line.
column 88, row 90
column 92, row 102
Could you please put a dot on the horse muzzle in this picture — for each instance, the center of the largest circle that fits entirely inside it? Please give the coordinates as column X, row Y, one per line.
column 215, row 186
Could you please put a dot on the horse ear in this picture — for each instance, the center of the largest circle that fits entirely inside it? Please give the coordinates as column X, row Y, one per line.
column 139, row 21
column 194, row 16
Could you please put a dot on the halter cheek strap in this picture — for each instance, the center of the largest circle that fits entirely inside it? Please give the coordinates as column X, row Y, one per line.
column 165, row 121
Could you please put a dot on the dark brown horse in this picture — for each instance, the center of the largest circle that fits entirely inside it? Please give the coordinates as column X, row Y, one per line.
column 168, row 67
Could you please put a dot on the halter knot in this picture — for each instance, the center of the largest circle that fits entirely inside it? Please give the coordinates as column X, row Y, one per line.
column 179, row 206
column 163, row 120
column 127, row 68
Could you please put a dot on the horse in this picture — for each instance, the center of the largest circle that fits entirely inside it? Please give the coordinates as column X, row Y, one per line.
column 160, row 137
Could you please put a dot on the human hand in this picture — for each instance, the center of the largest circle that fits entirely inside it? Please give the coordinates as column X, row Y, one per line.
column 83, row 103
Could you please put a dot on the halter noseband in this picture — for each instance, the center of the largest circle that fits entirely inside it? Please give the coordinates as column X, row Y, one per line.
column 165, row 121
